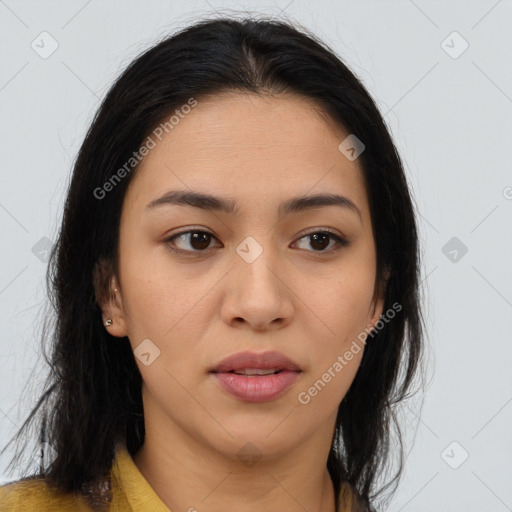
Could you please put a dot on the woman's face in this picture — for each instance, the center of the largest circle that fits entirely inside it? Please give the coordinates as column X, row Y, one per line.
column 253, row 279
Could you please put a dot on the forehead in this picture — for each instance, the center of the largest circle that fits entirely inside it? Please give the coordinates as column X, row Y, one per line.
column 241, row 120
column 248, row 145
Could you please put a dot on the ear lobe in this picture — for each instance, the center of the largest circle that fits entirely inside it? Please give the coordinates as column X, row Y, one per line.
column 108, row 297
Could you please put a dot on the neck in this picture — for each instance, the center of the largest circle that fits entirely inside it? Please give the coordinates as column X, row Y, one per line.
column 191, row 476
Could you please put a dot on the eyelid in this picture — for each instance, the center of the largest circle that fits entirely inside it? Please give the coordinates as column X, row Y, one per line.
column 169, row 240
column 331, row 231
column 340, row 239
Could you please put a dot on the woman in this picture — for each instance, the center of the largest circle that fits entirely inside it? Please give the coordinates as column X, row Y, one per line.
column 236, row 287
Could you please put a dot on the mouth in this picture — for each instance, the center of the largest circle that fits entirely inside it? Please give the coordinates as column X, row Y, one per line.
column 256, row 388
column 252, row 377
column 255, row 372
column 252, row 363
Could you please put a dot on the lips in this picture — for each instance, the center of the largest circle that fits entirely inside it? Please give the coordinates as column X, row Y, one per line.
column 252, row 377
column 250, row 363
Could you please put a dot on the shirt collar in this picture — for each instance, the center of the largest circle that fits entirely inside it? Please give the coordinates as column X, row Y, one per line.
column 139, row 494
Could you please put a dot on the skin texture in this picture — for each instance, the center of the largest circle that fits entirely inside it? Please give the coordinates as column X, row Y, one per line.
column 302, row 299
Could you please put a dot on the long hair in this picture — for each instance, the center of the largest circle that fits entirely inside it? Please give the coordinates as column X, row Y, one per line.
column 92, row 399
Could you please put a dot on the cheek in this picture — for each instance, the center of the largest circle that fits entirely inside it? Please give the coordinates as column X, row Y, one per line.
column 343, row 305
column 351, row 303
column 172, row 312
column 337, row 353
column 155, row 296
column 344, row 300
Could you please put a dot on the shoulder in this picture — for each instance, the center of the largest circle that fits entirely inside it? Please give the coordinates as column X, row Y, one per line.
column 34, row 494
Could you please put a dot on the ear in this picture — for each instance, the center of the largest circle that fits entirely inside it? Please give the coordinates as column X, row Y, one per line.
column 377, row 306
column 109, row 297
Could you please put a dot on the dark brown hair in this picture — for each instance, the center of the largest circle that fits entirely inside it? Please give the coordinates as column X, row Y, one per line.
column 92, row 398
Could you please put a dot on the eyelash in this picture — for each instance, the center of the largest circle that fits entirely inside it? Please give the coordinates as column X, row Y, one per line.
column 340, row 241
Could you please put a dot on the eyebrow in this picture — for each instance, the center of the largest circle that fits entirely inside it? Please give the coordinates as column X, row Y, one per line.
column 213, row 203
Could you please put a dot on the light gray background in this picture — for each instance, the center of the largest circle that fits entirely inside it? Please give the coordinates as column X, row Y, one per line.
column 451, row 120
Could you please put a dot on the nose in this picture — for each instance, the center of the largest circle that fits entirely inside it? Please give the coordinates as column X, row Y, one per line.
column 258, row 295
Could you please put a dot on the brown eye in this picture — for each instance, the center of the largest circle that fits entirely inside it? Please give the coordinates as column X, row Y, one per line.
column 320, row 240
column 197, row 241
column 200, row 240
